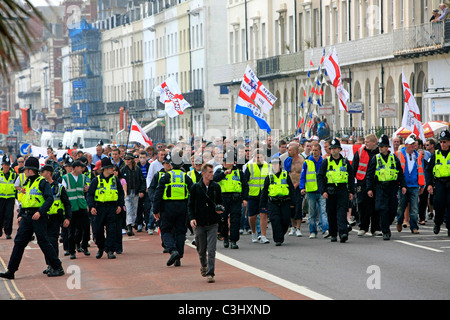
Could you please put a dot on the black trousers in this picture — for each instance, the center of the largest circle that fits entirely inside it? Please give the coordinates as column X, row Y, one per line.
column 173, row 225
column 280, row 220
column 386, row 203
column 143, row 210
column 7, row 214
column 367, row 214
column 53, row 229
column 80, row 221
column 106, row 218
column 232, row 210
column 441, row 203
column 337, row 207
column 27, row 227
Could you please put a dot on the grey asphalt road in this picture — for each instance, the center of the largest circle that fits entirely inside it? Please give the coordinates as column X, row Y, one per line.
column 406, row 267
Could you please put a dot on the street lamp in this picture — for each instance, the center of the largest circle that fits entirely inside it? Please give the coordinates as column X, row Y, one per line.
column 191, row 13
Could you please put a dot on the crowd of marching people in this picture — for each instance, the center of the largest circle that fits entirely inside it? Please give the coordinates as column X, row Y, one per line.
column 221, row 190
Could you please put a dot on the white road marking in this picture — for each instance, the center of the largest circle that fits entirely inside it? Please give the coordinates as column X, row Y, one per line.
column 419, row 246
column 269, row 277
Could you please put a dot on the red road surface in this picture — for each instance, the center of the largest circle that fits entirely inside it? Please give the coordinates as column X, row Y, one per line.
column 140, row 271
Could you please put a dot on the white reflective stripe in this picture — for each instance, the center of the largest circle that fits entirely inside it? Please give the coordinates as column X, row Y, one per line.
column 363, row 164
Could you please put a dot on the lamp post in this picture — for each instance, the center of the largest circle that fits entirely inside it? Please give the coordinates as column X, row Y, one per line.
column 191, row 13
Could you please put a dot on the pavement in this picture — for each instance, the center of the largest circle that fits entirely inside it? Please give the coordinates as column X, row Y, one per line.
column 139, row 273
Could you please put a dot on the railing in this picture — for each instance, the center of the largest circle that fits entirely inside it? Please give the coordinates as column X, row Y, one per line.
column 361, row 132
column 421, row 38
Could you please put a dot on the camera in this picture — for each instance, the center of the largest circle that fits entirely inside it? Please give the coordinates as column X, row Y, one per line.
column 220, row 208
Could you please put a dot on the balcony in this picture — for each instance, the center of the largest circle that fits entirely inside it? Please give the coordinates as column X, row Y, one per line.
column 427, row 38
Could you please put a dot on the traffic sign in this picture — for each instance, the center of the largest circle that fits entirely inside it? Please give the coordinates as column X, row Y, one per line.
column 24, row 148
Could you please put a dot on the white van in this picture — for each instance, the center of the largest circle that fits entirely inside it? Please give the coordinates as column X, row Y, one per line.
column 51, row 139
column 85, row 138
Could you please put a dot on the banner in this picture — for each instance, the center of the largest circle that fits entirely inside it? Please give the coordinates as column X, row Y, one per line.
column 333, row 70
column 255, row 90
column 246, row 107
column 170, row 95
column 41, row 153
column 411, row 114
column 4, row 122
column 138, row 135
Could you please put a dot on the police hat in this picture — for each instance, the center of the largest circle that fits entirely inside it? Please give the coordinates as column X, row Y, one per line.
column 106, row 163
column 32, row 163
column 335, row 143
column 383, row 141
column 84, row 160
column 167, row 158
column 68, row 161
column 6, row 160
column 445, row 135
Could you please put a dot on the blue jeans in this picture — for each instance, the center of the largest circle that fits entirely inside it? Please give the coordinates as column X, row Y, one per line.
column 317, row 205
column 412, row 197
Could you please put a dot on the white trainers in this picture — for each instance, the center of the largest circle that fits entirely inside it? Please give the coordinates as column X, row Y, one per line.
column 264, row 240
column 292, row 231
column 377, row 234
column 254, row 237
column 313, row 236
column 298, row 233
column 326, row 234
column 361, row 233
column 150, row 231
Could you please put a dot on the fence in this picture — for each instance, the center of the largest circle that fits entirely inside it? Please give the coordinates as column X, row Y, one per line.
column 361, row 132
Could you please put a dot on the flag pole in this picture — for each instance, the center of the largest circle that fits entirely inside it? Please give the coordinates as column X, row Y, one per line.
column 129, row 130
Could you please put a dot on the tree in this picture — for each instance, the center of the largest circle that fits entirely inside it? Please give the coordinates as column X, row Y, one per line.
column 16, row 33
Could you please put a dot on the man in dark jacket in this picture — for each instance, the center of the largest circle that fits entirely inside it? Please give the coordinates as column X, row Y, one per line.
column 204, row 218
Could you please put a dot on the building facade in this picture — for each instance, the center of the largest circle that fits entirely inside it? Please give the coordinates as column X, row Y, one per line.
column 375, row 41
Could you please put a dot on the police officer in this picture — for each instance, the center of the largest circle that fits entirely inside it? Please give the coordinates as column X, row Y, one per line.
column 438, row 182
column 32, row 217
column 170, row 207
column 384, row 176
column 336, row 184
column 7, row 196
column 234, row 194
column 60, row 212
column 105, row 199
column 278, row 192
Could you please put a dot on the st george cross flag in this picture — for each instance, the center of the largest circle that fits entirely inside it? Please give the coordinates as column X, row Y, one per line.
column 411, row 115
column 171, row 97
column 138, row 135
column 255, row 90
column 333, row 71
column 247, row 107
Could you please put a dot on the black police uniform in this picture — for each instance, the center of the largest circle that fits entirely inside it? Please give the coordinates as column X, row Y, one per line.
column 441, row 190
column 106, row 214
column 280, row 209
column 7, row 204
column 27, row 226
column 173, row 217
column 385, row 193
column 338, row 196
column 233, row 208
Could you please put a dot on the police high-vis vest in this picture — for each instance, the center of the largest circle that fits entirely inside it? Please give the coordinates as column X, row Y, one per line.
column 278, row 185
column 75, row 191
column 386, row 171
column 57, row 203
column 22, row 181
column 257, row 177
column 33, row 197
column 193, row 176
column 442, row 165
column 337, row 173
column 177, row 188
column 106, row 190
column 7, row 189
column 311, row 177
column 231, row 183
